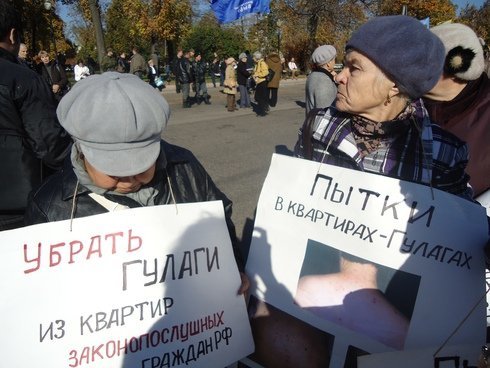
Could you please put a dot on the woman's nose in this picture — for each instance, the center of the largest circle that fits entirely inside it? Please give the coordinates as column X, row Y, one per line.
column 341, row 76
column 127, row 179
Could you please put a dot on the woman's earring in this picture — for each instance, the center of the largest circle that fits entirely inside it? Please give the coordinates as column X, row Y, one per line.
column 388, row 100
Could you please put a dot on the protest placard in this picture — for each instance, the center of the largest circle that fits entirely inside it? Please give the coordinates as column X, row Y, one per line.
column 362, row 263
column 449, row 357
column 146, row 287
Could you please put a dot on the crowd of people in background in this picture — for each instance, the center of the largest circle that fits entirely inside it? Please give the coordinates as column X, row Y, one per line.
column 239, row 76
column 188, row 70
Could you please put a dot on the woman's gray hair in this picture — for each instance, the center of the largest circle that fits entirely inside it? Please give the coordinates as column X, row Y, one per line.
column 257, row 55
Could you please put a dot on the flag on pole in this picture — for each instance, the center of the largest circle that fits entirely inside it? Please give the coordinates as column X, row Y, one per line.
column 230, row 10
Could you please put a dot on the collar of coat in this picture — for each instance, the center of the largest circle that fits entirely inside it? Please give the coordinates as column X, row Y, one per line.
column 324, row 71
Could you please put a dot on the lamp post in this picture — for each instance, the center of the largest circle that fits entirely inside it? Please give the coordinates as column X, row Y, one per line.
column 48, row 5
column 279, row 24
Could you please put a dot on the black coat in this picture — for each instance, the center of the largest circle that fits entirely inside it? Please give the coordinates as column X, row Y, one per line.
column 222, row 67
column 215, row 67
column 30, row 135
column 185, row 71
column 176, row 66
column 189, row 182
column 242, row 73
column 122, row 65
column 200, row 69
column 58, row 76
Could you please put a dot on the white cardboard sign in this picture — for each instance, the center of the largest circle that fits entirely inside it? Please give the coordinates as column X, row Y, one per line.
column 449, row 357
column 146, row 287
column 376, row 263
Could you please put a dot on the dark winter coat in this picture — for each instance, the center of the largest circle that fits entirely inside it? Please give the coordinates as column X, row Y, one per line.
column 185, row 71
column 242, row 73
column 57, row 76
column 122, row 65
column 222, row 67
column 200, row 69
column 30, row 135
column 215, row 67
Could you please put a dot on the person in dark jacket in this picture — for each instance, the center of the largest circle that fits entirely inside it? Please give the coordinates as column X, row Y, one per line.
column 122, row 63
column 54, row 75
column 123, row 165
column 200, row 70
column 243, row 74
column 214, row 71
column 176, row 69
column 222, row 70
column 185, row 78
column 31, row 140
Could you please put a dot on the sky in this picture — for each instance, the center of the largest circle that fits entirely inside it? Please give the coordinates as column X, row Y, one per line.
column 462, row 3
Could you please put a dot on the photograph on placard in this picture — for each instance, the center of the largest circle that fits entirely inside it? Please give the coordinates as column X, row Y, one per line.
column 357, row 294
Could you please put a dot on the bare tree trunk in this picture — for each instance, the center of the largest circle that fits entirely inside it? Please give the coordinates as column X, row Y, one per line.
column 313, row 21
column 99, row 34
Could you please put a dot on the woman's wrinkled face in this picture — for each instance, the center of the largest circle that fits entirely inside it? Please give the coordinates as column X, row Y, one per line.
column 362, row 87
column 119, row 184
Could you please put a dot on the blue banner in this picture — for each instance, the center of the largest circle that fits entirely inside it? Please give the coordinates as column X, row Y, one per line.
column 426, row 22
column 230, row 10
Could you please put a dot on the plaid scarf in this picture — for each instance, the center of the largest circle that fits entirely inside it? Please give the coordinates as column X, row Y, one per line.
column 370, row 134
column 408, row 148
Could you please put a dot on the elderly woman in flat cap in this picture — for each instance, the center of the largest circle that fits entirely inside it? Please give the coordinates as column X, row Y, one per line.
column 320, row 88
column 379, row 123
column 118, row 159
